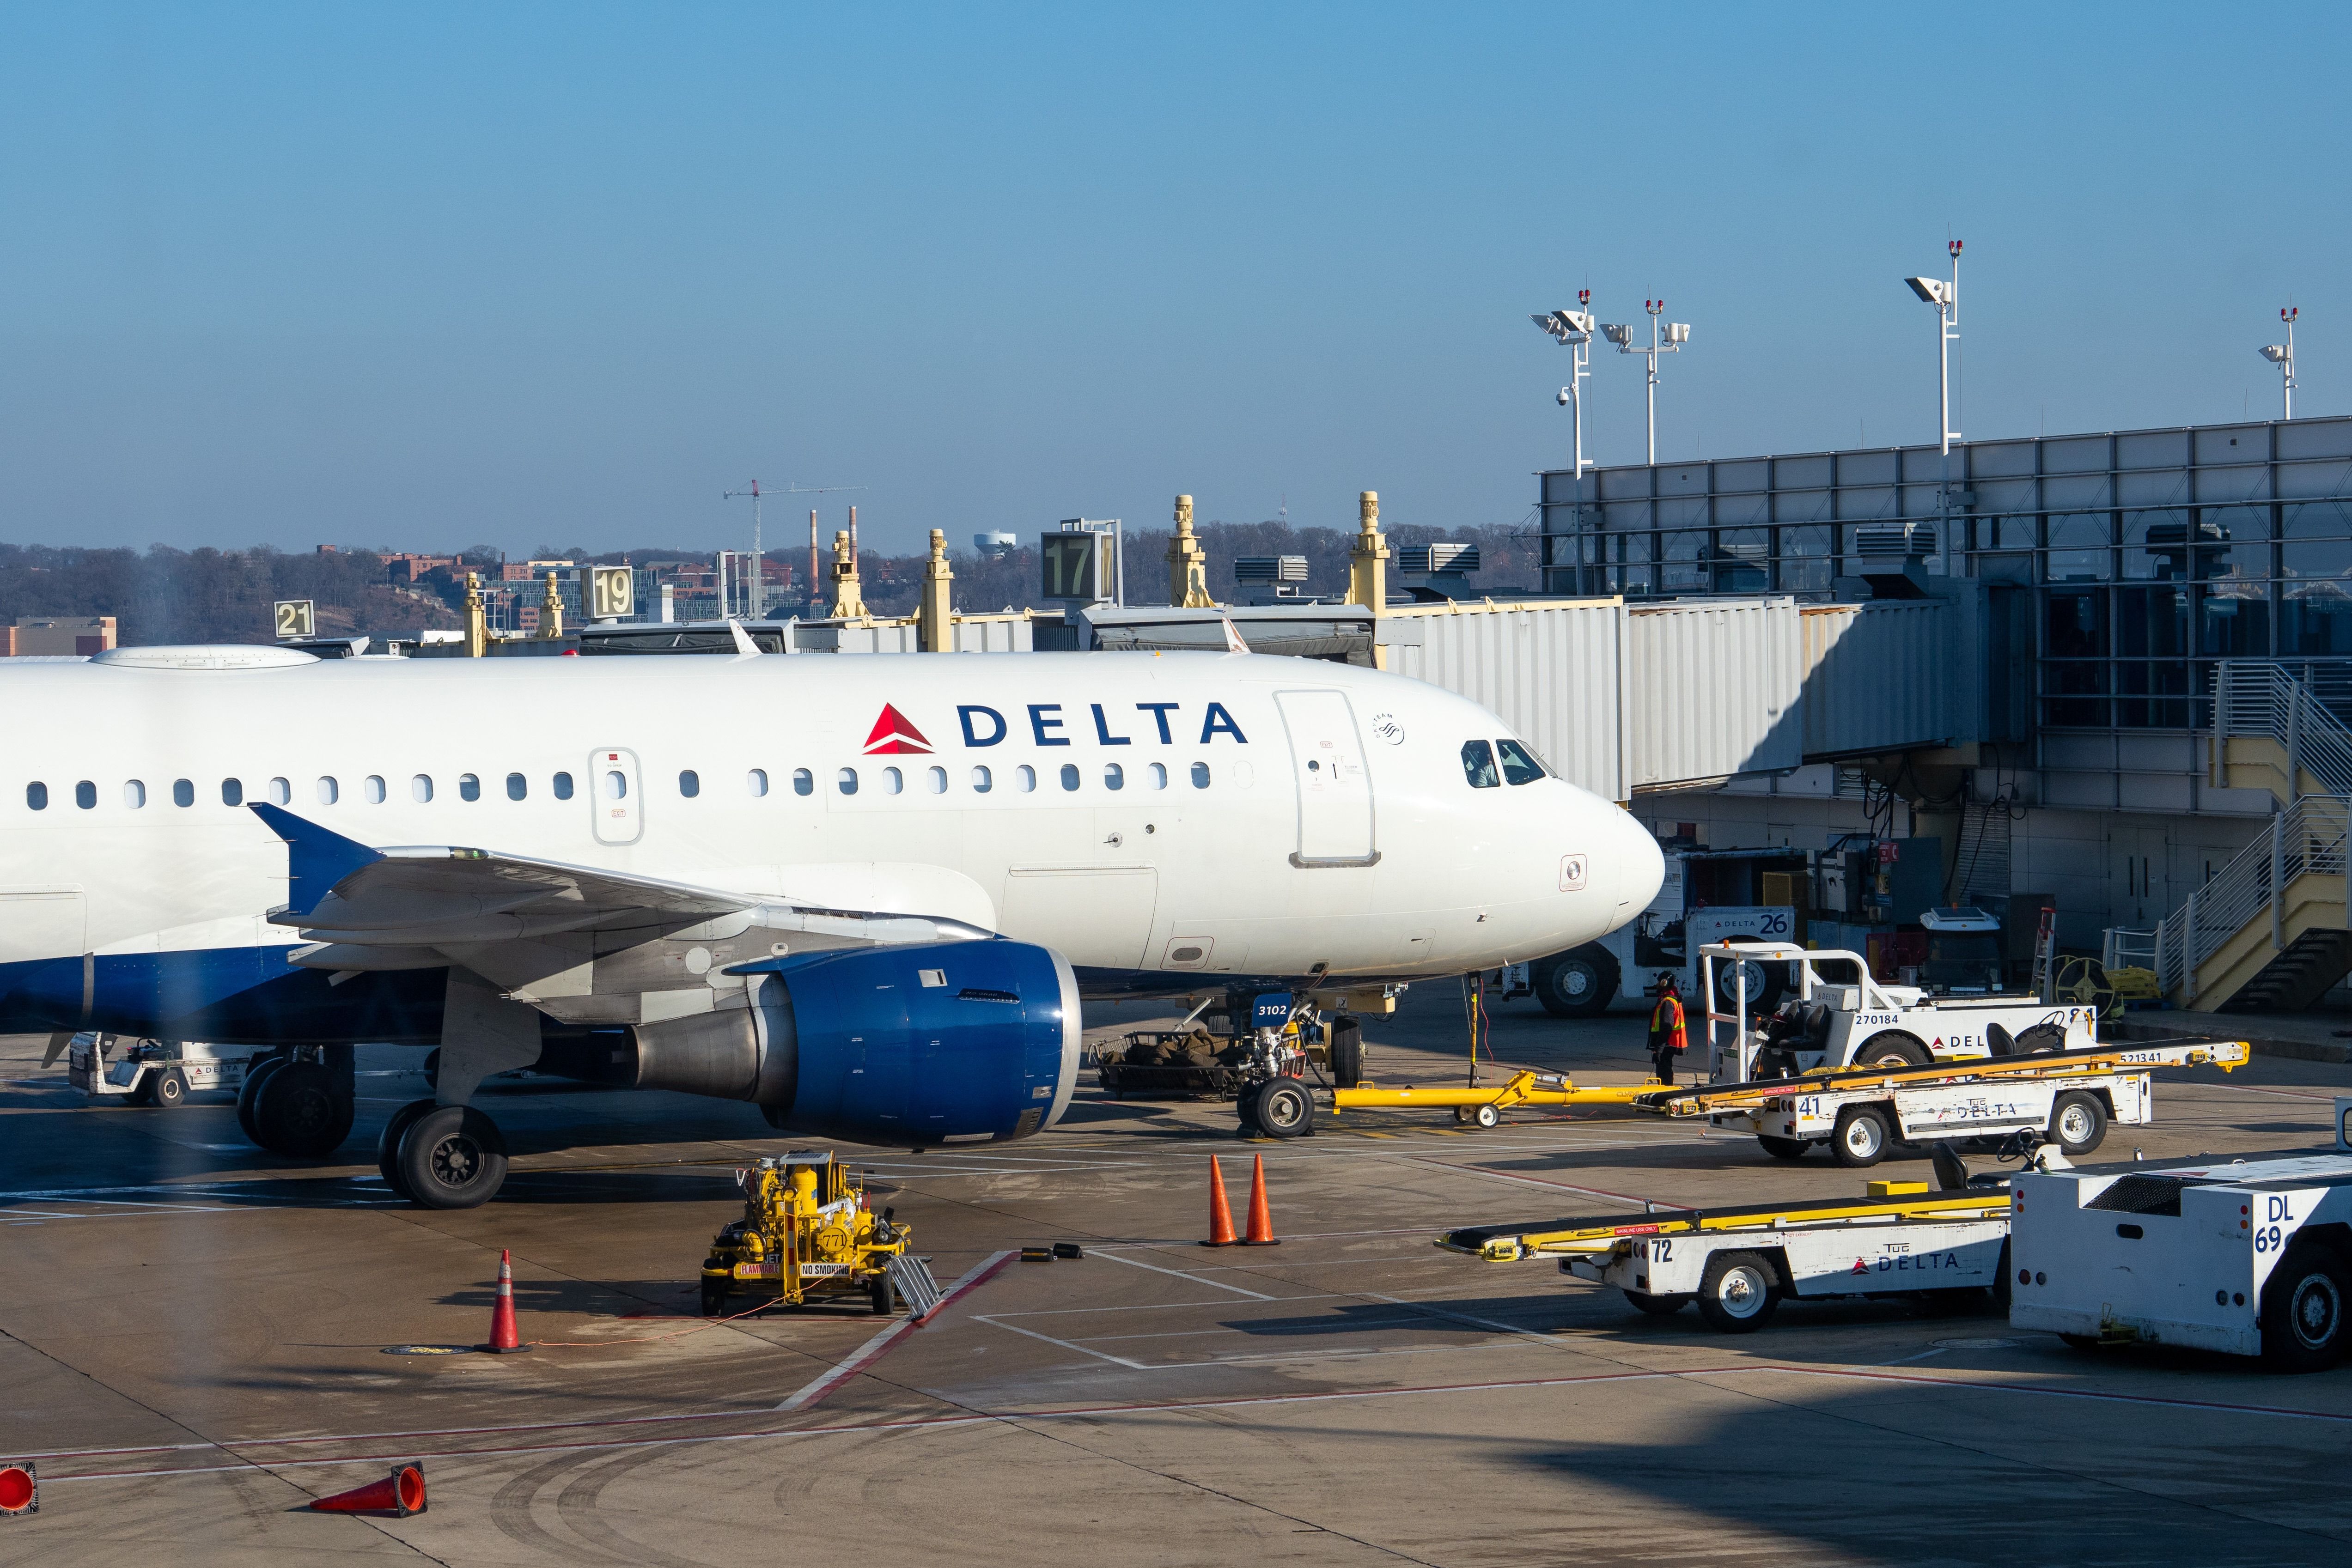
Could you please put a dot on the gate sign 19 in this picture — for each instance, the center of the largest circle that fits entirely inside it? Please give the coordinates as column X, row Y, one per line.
column 612, row 593
column 1077, row 565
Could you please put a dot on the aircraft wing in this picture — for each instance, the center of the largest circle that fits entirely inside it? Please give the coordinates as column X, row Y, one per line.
column 427, row 896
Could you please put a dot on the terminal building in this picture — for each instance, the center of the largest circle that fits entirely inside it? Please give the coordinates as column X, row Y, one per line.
column 2153, row 629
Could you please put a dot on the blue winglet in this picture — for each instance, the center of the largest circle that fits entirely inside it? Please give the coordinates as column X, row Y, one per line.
column 315, row 859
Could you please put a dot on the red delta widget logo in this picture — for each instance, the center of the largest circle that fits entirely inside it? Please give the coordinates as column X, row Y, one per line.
column 896, row 735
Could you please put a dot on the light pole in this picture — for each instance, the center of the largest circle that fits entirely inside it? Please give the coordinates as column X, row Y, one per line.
column 1678, row 333
column 2283, row 356
column 1573, row 328
column 1946, row 298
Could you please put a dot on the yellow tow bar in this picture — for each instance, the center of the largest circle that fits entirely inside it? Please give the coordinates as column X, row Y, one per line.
column 1523, row 1088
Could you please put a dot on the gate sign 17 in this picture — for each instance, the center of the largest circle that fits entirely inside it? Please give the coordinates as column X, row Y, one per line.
column 1077, row 565
column 612, row 593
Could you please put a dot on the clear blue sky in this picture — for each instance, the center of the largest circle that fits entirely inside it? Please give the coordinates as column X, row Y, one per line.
column 439, row 275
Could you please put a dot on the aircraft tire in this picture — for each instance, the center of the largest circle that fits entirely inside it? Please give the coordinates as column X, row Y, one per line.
column 1347, row 1052
column 299, row 1112
column 387, row 1145
column 1577, row 984
column 1282, row 1108
column 250, row 1091
column 452, row 1156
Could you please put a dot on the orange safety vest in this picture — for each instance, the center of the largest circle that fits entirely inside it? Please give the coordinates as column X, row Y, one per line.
column 1666, row 1023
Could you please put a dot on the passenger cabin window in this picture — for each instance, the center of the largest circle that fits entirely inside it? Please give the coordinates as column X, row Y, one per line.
column 562, row 784
column 1114, row 776
column 134, row 793
column 518, row 787
column 982, row 781
column 937, row 779
column 757, row 782
column 1200, row 776
column 36, row 797
column 1159, row 775
column 893, row 780
column 1478, row 765
column 184, row 792
column 469, row 787
column 420, row 788
column 1024, row 778
column 232, row 791
column 616, row 785
column 328, row 791
column 86, row 795
column 281, row 791
column 847, row 781
column 1519, row 765
column 373, row 790
column 689, row 783
column 804, row 781
column 1069, row 775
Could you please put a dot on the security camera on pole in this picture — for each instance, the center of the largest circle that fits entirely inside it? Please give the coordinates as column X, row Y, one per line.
column 1678, row 333
column 1573, row 328
column 1946, row 298
column 2283, row 356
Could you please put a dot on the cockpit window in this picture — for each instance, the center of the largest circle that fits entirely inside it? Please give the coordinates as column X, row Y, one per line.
column 1519, row 765
column 1478, row 765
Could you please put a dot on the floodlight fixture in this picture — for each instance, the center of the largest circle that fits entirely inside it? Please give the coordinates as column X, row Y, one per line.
column 1944, row 294
column 1573, row 330
column 1675, row 334
column 2283, row 356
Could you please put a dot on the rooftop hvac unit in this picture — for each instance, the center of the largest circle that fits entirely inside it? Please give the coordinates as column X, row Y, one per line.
column 1894, row 541
column 1436, row 558
column 1270, row 568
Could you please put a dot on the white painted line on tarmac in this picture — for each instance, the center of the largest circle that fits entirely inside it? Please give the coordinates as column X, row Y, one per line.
column 1533, row 1181
column 1109, row 1255
column 865, row 1355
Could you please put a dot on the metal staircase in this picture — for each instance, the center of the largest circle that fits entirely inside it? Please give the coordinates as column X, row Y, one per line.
column 2270, row 930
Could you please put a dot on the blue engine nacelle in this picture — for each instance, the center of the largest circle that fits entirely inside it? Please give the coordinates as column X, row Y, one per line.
column 890, row 1045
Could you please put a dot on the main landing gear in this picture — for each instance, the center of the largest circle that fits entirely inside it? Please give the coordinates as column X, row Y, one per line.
column 298, row 1103
column 441, row 1156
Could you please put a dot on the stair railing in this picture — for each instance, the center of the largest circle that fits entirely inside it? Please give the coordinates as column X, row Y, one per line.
column 2261, row 699
column 2306, row 837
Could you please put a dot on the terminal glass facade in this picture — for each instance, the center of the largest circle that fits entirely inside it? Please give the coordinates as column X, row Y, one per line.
column 2136, row 560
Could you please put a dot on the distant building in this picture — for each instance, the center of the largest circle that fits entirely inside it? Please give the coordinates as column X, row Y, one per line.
column 55, row 636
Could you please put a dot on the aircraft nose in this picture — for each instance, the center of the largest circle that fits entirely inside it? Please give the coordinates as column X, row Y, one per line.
column 1638, row 866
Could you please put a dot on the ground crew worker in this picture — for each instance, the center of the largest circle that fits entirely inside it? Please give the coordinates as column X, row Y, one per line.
column 1668, row 1037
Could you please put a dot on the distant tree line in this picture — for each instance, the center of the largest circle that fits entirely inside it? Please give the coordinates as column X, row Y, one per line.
column 166, row 595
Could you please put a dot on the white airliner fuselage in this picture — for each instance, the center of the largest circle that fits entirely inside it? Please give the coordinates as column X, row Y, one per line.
column 1163, row 823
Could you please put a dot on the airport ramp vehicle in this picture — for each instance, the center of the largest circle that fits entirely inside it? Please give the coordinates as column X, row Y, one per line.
column 1739, row 1262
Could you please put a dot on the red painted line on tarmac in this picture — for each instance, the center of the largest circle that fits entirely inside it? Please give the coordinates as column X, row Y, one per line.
column 943, row 1423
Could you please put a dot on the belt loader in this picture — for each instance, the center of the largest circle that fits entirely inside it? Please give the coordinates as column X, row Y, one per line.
column 2071, row 1096
column 2247, row 1256
column 1739, row 1264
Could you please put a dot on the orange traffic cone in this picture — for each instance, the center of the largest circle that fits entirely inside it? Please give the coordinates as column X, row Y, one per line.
column 1261, row 1219
column 503, row 1337
column 399, row 1494
column 1221, row 1219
